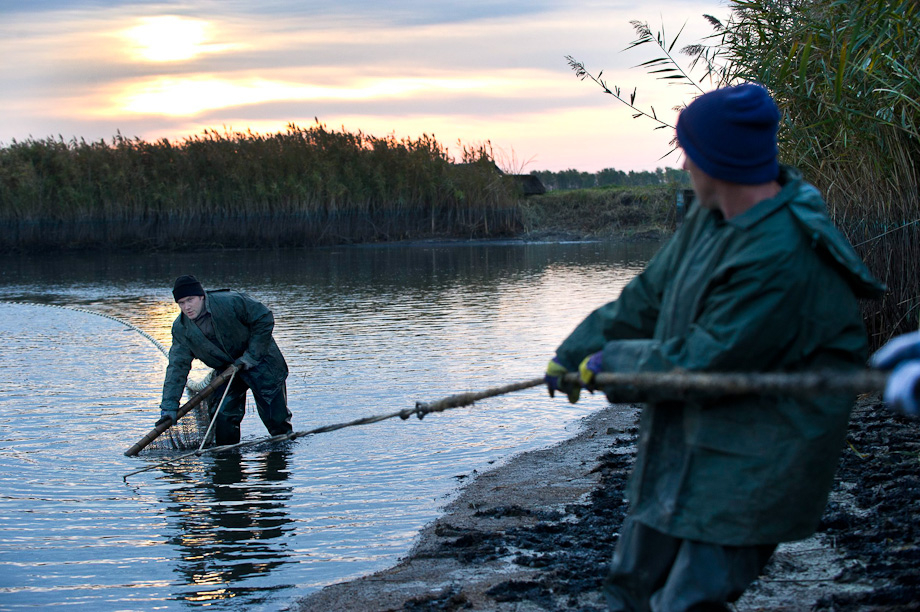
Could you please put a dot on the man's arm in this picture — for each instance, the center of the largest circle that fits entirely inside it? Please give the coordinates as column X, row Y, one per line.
column 632, row 315
column 180, row 363
column 749, row 321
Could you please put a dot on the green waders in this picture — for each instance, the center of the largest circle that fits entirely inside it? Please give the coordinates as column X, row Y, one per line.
column 654, row 572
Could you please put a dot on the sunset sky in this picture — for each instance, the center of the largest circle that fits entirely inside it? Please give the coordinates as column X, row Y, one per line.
column 470, row 71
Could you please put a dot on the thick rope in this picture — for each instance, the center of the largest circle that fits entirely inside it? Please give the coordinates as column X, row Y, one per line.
column 681, row 384
column 645, row 384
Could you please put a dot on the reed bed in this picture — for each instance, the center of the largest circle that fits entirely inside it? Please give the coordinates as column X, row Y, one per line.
column 303, row 187
column 847, row 78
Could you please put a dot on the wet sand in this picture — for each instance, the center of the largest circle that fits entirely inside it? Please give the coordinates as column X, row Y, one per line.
column 537, row 532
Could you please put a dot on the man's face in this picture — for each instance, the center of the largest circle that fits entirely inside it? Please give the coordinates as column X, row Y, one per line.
column 191, row 305
column 702, row 183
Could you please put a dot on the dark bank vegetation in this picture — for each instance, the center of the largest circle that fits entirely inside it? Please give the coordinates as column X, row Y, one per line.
column 604, row 212
column 847, row 77
column 307, row 186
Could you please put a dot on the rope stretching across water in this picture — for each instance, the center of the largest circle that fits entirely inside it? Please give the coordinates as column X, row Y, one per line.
column 156, row 342
column 646, row 385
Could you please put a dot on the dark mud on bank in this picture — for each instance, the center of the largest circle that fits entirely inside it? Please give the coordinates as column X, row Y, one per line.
column 537, row 533
column 874, row 517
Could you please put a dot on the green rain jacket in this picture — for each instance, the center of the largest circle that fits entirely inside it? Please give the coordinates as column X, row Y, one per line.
column 243, row 327
column 771, row 290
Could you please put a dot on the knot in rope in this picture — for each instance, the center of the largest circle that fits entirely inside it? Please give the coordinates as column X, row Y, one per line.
column 423, row 408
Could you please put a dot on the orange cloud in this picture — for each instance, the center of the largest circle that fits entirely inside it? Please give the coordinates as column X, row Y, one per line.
column 191, row 95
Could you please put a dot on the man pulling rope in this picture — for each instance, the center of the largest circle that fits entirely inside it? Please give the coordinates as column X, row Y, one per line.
column 757, row 279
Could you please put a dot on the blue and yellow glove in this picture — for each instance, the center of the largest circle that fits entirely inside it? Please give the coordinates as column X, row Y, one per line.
column 589, row 368
column 555, row 381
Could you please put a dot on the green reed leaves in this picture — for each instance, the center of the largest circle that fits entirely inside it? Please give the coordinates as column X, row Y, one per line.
column 847, row 77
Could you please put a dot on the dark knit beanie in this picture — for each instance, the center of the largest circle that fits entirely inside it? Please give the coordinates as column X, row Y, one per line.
column 730, row 134
column 186, row 286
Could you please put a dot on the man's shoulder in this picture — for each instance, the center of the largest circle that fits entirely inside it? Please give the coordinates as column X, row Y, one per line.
column 223, row 301
column 799, row 237
column 222, row 295
column 822, row 236
column 775, row 226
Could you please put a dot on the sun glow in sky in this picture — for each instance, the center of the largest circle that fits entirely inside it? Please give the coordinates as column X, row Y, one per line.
column 168, row 38
column 473, row 72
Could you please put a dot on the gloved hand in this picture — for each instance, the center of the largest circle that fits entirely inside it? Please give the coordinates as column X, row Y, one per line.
column 165, row 415
column 902, row 348
column 242, row 365
column 902, row 391
column 590, row 366
column 903, row 387
column 554, row 378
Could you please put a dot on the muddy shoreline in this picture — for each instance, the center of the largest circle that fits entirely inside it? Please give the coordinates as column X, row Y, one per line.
column 537, row 532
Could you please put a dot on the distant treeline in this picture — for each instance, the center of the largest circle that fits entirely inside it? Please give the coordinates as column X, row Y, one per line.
column 574, row 179
column 299, row 188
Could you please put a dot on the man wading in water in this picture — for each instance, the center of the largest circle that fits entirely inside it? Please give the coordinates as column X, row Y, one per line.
column 221, row 328
column 756, row 279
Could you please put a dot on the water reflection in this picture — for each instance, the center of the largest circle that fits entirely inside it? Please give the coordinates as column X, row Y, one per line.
column 231, row 526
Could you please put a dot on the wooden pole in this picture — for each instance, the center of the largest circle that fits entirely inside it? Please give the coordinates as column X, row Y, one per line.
column 645, row 386
column 199, row 397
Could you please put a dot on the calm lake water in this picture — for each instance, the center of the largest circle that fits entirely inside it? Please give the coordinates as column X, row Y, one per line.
column 365, row 330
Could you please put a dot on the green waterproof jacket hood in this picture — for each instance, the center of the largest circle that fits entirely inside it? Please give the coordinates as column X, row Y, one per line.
column 810, row 213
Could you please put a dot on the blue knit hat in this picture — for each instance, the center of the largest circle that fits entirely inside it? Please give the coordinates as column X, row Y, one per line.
column 730, row 134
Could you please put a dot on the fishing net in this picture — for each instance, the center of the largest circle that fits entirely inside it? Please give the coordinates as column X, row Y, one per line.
column 188, row 433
